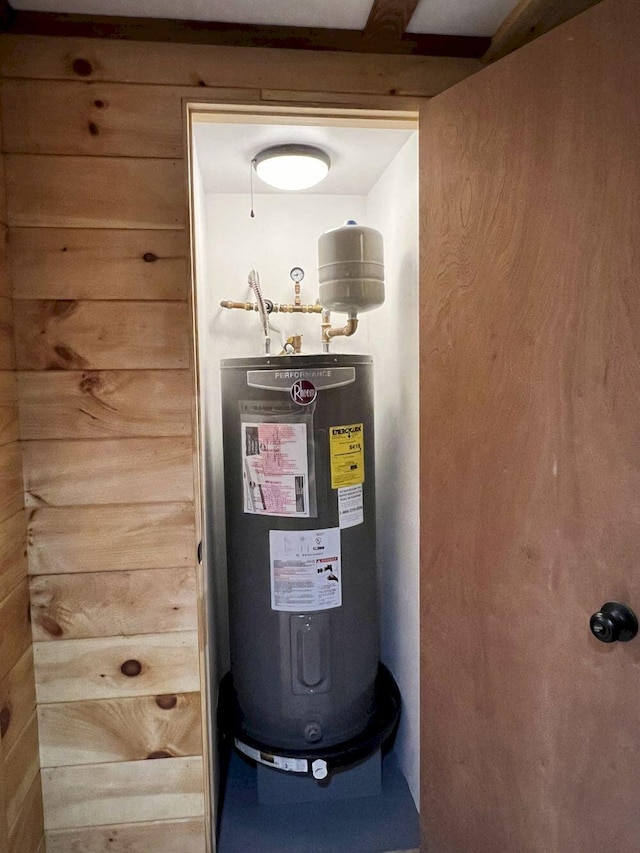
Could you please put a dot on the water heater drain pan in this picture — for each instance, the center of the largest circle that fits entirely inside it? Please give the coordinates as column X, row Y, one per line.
column 381, row 725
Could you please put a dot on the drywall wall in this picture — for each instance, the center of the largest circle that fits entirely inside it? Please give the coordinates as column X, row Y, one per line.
column 392, row 208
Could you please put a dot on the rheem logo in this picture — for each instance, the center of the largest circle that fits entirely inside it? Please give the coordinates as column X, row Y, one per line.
column 303, row 392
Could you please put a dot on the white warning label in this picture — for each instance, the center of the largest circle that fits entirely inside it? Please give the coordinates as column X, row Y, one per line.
column 350, row 511
column 275, row 470
column 305, row 569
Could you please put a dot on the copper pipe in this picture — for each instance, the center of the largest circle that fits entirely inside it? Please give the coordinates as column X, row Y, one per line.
column 298, row 309
column 247, row 306
column 295, row 342
column 277, row 308
column 326, row 325
column 347, row 330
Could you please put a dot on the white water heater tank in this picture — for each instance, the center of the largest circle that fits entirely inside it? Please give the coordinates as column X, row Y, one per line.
column 351, row 268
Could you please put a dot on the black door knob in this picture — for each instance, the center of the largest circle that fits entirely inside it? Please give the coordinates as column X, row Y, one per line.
column 613, row 622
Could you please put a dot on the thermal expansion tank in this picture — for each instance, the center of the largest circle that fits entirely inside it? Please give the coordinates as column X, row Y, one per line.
column 301, row 556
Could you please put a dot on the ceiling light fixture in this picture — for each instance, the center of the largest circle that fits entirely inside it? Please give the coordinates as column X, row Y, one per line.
column 292, row 167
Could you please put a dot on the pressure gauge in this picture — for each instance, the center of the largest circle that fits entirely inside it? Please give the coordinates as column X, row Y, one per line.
column 297, row 274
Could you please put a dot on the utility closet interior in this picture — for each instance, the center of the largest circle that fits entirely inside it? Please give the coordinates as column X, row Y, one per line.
column 242, row 224
column 151, row 446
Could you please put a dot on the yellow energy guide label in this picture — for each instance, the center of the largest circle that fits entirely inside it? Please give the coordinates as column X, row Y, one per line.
column 346, row 449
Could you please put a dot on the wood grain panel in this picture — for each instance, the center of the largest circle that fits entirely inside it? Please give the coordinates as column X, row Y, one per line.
column 38, row 57
column 109, row 604
column 126, row 470
column 8, row 407
column 342, row 99
column 26, row 834
column 7, row 348
column 75, row 670
column 5, row 283
column 104, row 404
column 93, row 119
column 17, row 699
column 120, row 729
column 530, row 472
column 13, row 552
column 3, row 192
column 530, row 19
column 95, row 263
column 15, row 630
column 100, row 118
column 21, row 764
column 94, row 192
column 11, row 498
column 99, row 794
column 111, row 538
column 70, row 335
column 4, row 829
column 175, row 836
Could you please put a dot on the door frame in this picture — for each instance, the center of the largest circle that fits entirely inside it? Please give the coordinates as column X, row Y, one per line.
column 365, row 110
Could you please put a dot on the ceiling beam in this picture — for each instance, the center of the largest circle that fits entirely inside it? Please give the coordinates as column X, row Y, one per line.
column 530, row 19
column 389, row 18
column 17, row 22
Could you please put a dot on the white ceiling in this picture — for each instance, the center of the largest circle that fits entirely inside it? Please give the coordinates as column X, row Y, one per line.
column 359, row 155
column 460, row 17
column 453, row 17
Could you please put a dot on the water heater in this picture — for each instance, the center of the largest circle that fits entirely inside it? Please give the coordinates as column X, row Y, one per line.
column 301, row 545
column 306, row 690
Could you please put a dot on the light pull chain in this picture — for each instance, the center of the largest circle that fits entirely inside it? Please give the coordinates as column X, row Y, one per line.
column 251, row 165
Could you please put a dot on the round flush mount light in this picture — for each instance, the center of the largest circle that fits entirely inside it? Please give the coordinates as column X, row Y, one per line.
column 292, row 167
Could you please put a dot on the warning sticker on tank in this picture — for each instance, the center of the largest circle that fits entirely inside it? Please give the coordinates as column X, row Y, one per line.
column 346, row 448
column 350, row 511
column 305, row 569
column 275, row 469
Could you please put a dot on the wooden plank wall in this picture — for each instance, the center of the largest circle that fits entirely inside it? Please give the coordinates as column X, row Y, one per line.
column 21, row 821
column 98, row 259
column 98, row 255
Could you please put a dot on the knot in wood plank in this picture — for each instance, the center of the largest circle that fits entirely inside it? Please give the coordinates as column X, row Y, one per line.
column 82, row 67
column 5, row 720
column 131, row 668
column 50, row 625
column 166, row 702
